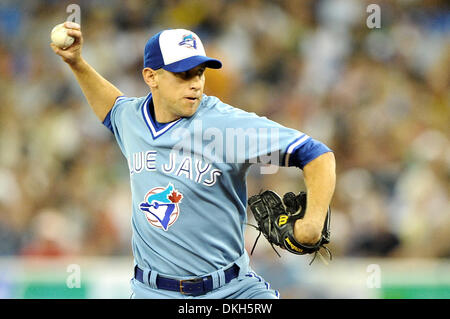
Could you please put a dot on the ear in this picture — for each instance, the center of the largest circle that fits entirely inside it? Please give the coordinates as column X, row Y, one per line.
column 150, row 77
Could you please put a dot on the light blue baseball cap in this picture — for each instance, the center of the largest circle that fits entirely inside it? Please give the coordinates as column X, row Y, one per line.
column 176, row 50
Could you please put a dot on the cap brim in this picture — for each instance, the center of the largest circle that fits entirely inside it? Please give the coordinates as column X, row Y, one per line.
column 192, row 62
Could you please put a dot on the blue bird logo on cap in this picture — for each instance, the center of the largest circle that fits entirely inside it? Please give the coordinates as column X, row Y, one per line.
column 188, row 41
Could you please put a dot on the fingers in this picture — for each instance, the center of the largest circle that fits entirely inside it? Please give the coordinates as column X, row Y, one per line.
column 55, row 48
column 74, row 30
column 74, row 33
column 72, row 25
column 65, row 55
column 58, row 51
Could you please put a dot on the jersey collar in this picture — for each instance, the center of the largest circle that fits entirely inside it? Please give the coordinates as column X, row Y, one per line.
column 148, row 119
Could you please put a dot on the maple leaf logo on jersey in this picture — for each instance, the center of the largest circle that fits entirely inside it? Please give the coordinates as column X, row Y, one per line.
column 161, row 206
column 175, row 197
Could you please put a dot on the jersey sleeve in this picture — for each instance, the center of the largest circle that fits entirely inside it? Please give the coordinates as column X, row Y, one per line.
column 268, row 142
column 114, row 119
column 304, row 150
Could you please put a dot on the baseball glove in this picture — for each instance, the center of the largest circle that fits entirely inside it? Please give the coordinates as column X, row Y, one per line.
column 276, row 219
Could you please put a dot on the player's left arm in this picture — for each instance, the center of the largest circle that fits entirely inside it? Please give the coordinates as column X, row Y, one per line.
column 300, row 150
column 320, row 179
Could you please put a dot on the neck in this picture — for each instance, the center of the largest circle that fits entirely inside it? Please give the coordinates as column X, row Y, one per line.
column 161, row 113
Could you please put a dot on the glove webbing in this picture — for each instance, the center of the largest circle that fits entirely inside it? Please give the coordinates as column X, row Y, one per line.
column 323, row 259
column 257, row 238
column 312, row 260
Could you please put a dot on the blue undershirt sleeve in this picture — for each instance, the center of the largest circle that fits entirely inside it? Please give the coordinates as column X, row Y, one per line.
column 306, row 152
column 107, row 121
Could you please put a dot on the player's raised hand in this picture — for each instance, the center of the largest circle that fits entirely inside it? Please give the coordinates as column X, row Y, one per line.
column 72, row 54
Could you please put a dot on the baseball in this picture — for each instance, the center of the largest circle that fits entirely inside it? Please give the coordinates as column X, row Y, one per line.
column 60, row 38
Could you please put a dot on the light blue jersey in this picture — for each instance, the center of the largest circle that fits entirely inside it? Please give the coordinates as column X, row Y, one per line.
column 188, row 180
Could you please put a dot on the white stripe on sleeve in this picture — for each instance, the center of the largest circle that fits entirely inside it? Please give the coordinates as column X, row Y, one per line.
column 303, row 138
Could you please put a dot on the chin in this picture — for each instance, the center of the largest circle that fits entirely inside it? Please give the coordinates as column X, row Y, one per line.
column 190, row 110
column 189, row 113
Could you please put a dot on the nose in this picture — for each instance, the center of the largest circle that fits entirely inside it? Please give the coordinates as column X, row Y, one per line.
column 196, row 82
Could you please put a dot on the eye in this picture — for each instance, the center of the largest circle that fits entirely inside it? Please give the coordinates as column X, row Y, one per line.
column 201, row 71
column 186, row 75
column 182, row 75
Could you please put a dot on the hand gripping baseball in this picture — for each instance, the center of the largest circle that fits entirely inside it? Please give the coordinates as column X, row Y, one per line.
column 72, row 54
column 276, row 219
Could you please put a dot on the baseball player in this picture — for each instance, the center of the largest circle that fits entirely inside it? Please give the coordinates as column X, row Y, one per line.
column 188, row 171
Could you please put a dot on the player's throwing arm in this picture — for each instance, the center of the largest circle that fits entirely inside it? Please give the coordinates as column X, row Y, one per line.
column 99, row 93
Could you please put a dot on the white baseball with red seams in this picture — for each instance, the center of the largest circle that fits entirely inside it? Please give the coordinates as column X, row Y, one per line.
column 60, row 37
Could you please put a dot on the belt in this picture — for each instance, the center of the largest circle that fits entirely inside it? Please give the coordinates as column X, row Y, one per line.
column 192, row 287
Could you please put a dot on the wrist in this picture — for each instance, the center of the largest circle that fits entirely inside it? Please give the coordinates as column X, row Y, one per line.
column 307, row 232
column 77, row 64
column 312, row 219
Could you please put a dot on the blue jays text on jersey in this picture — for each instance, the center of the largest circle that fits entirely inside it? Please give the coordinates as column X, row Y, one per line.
column 188, row 200
column 193, row 169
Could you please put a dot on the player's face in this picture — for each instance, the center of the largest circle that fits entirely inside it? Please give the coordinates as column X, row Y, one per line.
column 182, row 92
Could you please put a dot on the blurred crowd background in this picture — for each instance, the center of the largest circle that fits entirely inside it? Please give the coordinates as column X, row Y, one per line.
column 379, row 98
